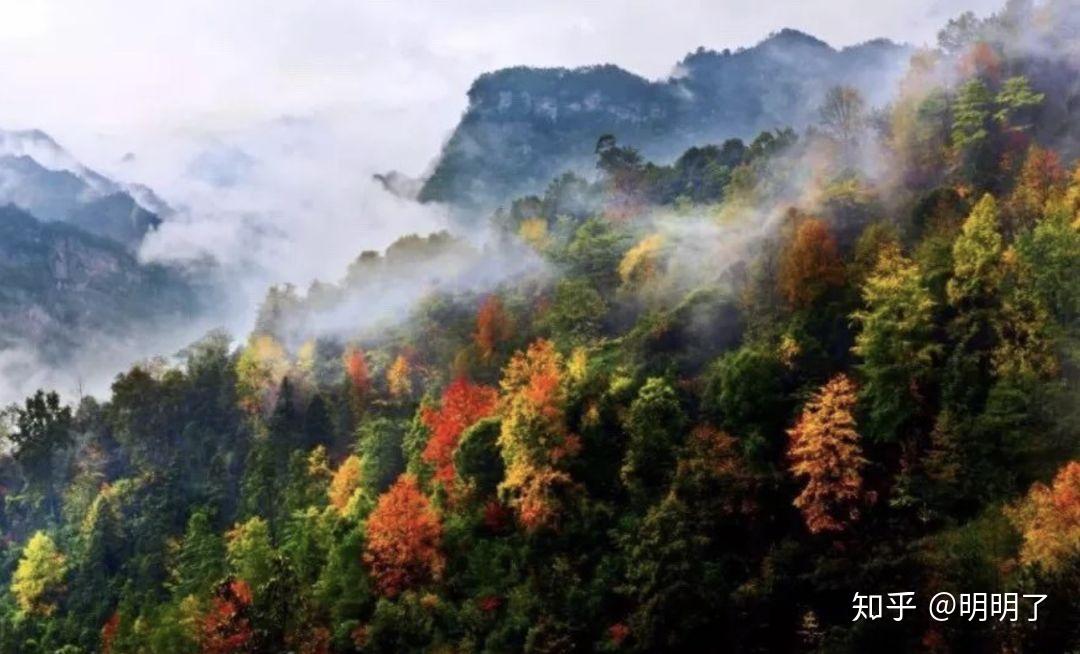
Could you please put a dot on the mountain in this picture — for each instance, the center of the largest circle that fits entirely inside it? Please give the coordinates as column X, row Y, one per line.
column 39, row 176
column 63, row 285
column 524, row 125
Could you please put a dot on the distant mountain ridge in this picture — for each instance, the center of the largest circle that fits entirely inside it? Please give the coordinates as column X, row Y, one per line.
column 41, row 177
column 72, row 281
column 524, row 125
column 63, row 285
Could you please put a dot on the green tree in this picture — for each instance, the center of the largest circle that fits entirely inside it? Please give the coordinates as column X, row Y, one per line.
column 477, row 459
column 744, row 393
column 576, row 312
column 1052, row 253
column 42, row 428
column 1013, row 101
column 895, row 344
column 595, row 252
column 200, row 561
column 973, row 293
column 379, row 446
column 654, row 424
column 250, row 552
column 972, row 128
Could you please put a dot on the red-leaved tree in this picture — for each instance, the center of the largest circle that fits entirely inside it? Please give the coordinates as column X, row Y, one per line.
column 403, row 539
column 463, row 403
column 225, row 628
column 356, row 370
column 492, row 326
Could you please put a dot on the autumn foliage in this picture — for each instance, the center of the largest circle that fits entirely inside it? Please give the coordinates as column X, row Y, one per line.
column 1041, row 179
column 810, row 264
column 399, row 377
column 534, row 438
column 261, row 367
column 1049, row 519
column 344, row 483
column 108, row 632
column 356, row 370
column 825, row 455
column 493, row 326
column 403, row 539
column 225, row 628
column 463, row 403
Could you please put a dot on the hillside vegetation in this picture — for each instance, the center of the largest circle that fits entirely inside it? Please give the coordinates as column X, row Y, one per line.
column 710, row 402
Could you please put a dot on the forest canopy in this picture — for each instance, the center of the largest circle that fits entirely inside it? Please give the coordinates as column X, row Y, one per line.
column 738, row 388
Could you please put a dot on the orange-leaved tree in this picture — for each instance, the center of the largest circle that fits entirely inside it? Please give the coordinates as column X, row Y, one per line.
column 493, row 326
column 404, row 536
column 226, row 628
column 810, row 264
column 399, row 377
column 1041, row 179
column 108, row 632
column 534, row 440
column 463, row 403
column 356, row 371
column 1049, row 519
column 826, row 456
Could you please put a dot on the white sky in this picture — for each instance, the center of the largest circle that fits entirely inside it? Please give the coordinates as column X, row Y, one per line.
column 321, row 94
column 106, row 78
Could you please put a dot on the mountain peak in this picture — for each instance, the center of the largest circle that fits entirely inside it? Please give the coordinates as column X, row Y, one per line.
column 792, row 37
column 39, row 176
column 504, row 145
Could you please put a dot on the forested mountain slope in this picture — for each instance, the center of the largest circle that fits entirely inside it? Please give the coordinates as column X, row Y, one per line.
column 728, row 393
column 39, row 176
column 525, row 125
column 71, row 287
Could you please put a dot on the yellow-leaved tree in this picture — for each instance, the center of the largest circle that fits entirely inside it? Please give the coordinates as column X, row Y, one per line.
column 1049, row 520
column 259, row 371
column 826, row 457
column 345, row 483
column 534, row 439
column 39, row 576
column 640, row 263
column 399, row 377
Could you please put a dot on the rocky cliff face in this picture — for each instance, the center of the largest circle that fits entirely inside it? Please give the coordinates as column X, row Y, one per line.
column 39, row 176
column 525, row 125
column 62, row 285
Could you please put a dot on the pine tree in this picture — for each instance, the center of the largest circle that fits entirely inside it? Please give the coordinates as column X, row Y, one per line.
column 972, row 130
column 201, row 557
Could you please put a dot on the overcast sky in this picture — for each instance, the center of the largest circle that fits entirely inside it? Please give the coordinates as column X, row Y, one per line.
column 302, row 101
column 107, row 78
